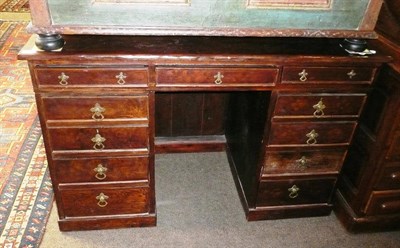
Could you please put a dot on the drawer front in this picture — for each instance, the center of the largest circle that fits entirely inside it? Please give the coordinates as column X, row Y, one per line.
column 319, row 105
column 389, row 179
column 98, row 139
column 105, row 201
column 102, row 170
column 311, row 133
column 387, row 202
column 192, row 77
column 97, row 108
column 294, row 192
column 328, row 74
column 92, row 77
column 304, row 162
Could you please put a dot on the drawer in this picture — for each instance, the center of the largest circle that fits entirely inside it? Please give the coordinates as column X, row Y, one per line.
column 98, row 139
column 319, row 105
column 92, row 77
column 328, row 74
column 389, row 179
column 386, row 202
column 303, row 162
column 102, row 170
column 311, row 133
column 97, row 108
column 105, row 201
column 195, row 77
column 295, row 191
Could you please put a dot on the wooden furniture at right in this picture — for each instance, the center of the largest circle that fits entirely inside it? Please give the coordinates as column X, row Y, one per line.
column 368, row 195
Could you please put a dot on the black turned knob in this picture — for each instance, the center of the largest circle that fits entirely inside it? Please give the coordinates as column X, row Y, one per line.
column 354, row 45
column 49, row 42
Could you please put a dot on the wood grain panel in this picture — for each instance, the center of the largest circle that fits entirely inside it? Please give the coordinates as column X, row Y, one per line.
column 120, row 201
column 118, row 169
column 311, row 191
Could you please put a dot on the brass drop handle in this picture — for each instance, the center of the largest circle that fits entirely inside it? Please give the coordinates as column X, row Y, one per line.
column 102, row 200
column 97, row 111
column 218, row 78
column 312, row 137
column 121, row 78
column 294, row 191
column 302, row 163
column 319, row 109
column 303, row 75
column 351, row 74
column 98, row 141
column 100, row 172
column 63, row 79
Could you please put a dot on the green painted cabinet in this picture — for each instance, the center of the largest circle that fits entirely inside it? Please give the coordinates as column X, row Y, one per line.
column 266, row 18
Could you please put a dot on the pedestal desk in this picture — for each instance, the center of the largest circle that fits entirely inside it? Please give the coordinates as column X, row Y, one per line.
column 285, row 111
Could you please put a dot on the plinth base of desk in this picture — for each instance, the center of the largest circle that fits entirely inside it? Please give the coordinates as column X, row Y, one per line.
column 94, row 223
column 356, row 224
column 284, row 212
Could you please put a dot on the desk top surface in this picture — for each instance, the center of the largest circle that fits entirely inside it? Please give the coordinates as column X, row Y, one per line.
column 227, row 48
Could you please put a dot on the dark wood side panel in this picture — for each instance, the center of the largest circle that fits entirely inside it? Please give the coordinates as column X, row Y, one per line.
column 247, row 114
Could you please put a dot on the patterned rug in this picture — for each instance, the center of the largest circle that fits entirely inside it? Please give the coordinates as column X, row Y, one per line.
column 25, row 188
column 15, row 6
column 14, row 10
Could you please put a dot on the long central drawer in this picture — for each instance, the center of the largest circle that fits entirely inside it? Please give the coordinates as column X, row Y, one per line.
column 216, row 77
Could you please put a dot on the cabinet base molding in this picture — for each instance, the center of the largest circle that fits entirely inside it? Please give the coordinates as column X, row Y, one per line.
column 285, row 212
column 75, row 224
column 356, row 224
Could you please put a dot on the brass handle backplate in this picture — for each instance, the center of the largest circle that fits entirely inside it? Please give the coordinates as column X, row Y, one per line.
column 303, row 75
column 63, row 79
column 97, row 111
column 98, row 141
column 294, row 191
column 351, row 74
column 319, row 109
column 102, row 200
column 302, row 163
column 312, row 137
column 218, row 78
column 121, row 78
column 100, row 172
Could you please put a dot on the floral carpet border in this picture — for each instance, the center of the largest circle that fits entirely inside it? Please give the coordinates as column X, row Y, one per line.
column 25, row 202
column 25, row 188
